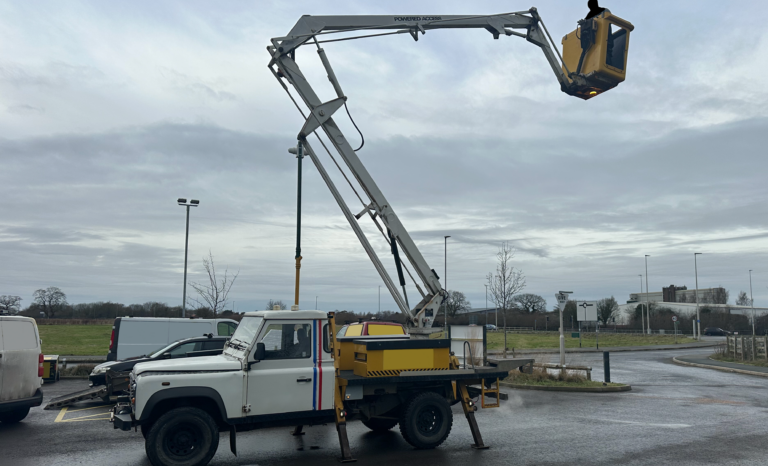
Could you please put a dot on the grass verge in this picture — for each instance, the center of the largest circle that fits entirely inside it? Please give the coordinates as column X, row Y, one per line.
column 543, row 378
column 725, row 358
column 552, row 340
column 75, row 340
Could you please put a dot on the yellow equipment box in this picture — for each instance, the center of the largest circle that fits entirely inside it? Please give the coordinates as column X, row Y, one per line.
column 51, row 368
column 597, row 51
column 382, row 358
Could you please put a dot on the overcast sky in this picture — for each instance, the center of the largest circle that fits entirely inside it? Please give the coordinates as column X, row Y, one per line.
column 110, row 111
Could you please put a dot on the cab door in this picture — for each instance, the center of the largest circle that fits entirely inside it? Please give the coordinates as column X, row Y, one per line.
column 284, row 381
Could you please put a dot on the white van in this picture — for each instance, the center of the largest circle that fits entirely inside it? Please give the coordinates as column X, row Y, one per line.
column 21, row 368
column 137, row 336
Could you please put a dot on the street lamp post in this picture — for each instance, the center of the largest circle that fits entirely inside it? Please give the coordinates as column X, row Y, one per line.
column 316, row 303
column 446, row 279
column 191, row 203
column 486, row 305
column 642, row 314
column 379, row 299
column 752, row 303
column 696, row 293
column 647, row 297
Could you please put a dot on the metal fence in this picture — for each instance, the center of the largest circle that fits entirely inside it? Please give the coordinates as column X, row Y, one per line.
column 747, row 348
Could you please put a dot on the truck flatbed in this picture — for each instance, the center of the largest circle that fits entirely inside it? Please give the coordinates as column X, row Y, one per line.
column 424, row 376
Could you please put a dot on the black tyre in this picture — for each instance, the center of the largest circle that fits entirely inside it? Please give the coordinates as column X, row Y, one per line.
column 12, row 417
column 378, row 424
column 145, row 428
column 426, row 420
column 182, row 437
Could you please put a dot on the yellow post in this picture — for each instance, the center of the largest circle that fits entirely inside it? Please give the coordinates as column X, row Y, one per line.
column 298, row 270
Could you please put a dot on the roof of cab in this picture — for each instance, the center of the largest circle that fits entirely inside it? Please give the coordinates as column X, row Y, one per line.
column 282, row 315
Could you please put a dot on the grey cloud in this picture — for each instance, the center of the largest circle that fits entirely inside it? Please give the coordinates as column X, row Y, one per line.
column 24, row 109
column 185, row 83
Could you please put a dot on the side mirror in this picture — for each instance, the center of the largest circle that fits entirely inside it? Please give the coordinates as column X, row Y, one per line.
column 260, row 353
column 166, row 355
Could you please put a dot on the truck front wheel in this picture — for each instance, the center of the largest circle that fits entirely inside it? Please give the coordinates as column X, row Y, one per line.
column 426, row 420
column 182, row 437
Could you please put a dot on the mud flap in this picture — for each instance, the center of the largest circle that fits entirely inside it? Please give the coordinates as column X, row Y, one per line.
column 233, row 440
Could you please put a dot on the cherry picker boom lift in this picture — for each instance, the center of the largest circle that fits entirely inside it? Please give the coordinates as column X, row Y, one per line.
column 308, row 375
column 595, row 57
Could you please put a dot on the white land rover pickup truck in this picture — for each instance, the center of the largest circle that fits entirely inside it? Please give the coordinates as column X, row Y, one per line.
column 278, row 370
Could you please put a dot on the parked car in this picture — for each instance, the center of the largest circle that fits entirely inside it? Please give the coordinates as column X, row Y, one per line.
column 490, row 327
column 21, row 368
column 205, row 345
column 137, row 336
column 716, row 331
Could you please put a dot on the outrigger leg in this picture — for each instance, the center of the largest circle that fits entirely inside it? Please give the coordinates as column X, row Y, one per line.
column 298, row 431
column 469, row 411
column 341, row 425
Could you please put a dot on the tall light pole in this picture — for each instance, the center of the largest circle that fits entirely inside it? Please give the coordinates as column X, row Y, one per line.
column 696, row 293
column 486, row 304
column 562, row 300
column 446, row 278
column 191, row 203
column 642, row 314
column 752, row 302
column 379, row 298
column 647, row 304
column 316, row 303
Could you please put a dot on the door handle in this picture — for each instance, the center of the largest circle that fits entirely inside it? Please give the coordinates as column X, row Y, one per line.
column 304, row 379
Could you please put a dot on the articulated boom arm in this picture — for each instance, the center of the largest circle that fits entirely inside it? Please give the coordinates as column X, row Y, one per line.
column 311, row 30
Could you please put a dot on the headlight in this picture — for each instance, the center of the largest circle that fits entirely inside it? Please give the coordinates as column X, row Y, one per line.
column 102, row 368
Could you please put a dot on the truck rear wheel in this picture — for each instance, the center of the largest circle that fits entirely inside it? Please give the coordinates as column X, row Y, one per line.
column 182, row 437
column 426, row 420
column 12, row 417
column 378, row 424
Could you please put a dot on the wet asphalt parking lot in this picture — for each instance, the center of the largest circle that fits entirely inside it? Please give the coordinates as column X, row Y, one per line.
column 673, row 415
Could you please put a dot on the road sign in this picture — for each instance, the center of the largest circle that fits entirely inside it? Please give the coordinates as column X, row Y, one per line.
column 562, row 298
column 586, row 311
column 674, row 318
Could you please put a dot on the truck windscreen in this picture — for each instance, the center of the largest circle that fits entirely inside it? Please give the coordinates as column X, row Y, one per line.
column 246, row 331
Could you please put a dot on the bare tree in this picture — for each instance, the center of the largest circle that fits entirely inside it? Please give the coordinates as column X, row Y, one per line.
column 607, row 309
column 742, row 300
column 505, row 283
column 10, row 304
column 530, row 303
column 272, row 303
column 50, row 300
column 214, row 294
column 456, row 302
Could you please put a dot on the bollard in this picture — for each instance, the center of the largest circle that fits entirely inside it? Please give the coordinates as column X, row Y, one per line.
column 607, row 366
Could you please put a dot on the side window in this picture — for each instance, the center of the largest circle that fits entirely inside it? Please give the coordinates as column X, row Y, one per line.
column 213, row 345
column 287, row 341
column 225, row 329
column 327, row 338
column 182, row 350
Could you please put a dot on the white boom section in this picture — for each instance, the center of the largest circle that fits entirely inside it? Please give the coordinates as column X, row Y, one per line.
column 283, row 65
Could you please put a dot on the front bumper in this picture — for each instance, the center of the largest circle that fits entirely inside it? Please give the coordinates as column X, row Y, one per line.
column 98, row 379
column 34, row 400
column 122, row 417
